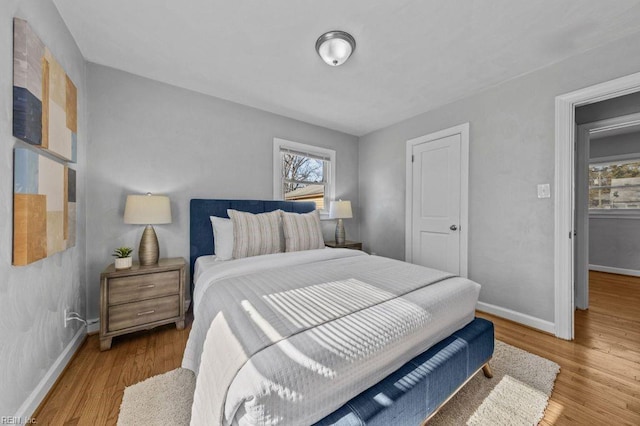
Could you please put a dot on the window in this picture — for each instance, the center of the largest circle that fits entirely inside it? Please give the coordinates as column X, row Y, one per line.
column 303, row 173
column 614, row 185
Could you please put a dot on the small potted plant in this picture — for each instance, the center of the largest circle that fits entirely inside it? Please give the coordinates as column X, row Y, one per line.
column 123, row 257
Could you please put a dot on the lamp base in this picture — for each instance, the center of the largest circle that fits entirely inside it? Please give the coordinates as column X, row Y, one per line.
column 149, row 252
column 340, row 234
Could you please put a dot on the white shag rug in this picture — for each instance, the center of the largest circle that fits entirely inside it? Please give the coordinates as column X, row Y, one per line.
column 164, row 399
column 516, row 395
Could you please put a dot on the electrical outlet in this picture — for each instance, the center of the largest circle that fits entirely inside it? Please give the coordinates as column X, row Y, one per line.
column 65, row 317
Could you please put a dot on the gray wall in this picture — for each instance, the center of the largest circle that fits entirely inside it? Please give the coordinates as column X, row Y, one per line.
column 615, row 107
column 615, row 242
column 627, row 143
column 33, row 297
column 148, row 136
column 511, row 241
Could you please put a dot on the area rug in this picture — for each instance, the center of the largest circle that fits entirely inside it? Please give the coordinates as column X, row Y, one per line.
column 517, row 395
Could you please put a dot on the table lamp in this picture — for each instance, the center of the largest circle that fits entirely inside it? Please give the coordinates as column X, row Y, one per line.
column 148, row 210
column 340, row 210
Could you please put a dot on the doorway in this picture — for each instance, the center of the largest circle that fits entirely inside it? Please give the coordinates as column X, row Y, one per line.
column 607, row 156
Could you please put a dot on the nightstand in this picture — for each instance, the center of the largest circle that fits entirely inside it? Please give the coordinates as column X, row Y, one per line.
column 347, row 244
column 140, row 298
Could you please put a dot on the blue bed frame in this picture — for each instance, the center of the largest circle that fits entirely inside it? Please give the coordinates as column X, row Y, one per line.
column 412, row 394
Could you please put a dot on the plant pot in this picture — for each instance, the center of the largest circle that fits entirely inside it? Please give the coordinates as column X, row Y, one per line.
column 124, row 262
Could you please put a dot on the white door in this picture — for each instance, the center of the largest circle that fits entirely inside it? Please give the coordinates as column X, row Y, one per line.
column 436, row 201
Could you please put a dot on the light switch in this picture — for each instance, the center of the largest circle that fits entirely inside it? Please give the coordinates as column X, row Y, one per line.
column 544, row 190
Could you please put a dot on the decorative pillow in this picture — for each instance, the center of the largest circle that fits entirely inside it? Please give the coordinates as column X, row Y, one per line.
column 302, row 231
column 256, row 234
column 222, row 237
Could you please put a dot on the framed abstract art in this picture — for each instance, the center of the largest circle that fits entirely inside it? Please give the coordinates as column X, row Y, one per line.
column 44, row 97
column 44, row 207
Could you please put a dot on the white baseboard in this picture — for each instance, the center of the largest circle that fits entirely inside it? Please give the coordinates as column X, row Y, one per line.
column 612, row 270
column 29, row 406
column 518, row 317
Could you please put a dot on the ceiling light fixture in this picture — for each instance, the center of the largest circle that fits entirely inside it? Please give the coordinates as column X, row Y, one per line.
column 335, row 47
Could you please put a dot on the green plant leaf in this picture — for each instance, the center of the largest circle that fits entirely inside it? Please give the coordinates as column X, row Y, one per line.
column 122, row 252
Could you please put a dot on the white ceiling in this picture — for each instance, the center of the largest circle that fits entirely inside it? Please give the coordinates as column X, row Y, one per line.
column 411, row 56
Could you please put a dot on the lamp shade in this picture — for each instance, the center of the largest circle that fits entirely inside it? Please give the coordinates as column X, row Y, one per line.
column 340, row 210
column 147, row 209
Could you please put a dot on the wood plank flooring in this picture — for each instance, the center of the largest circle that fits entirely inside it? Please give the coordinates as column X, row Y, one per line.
column 598, row 384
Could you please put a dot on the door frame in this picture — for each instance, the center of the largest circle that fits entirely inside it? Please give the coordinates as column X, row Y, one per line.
column 463, row 227
column 564, row 200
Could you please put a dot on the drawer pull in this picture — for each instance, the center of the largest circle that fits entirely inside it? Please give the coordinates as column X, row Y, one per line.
column 147, row 286
column 146, row 313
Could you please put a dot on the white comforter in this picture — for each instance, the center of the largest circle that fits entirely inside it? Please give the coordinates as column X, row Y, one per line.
column 289, row 338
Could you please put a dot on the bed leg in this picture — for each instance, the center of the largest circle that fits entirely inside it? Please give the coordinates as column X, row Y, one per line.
column 486, row 369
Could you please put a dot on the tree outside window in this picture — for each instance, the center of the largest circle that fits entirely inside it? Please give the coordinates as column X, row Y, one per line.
column 614, row 185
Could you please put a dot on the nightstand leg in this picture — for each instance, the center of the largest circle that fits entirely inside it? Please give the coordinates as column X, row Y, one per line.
column 105, row 343
column 180, row 325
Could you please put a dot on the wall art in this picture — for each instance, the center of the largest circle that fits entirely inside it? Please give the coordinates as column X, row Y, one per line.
column 44, row 207
column 44, row 97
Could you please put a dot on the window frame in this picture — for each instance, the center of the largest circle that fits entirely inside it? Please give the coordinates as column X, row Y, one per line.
column 612, row 213
column 279, row 144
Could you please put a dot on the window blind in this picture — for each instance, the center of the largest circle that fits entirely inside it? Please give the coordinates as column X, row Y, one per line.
column 313, row 155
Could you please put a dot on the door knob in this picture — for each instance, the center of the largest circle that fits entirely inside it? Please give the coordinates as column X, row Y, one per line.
column 453, row 227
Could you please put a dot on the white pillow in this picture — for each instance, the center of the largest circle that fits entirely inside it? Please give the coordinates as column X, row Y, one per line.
column 222, row 237
column 302, row 231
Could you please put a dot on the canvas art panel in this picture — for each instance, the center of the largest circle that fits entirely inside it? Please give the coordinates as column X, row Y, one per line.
column 44, row 97
column 44, row 207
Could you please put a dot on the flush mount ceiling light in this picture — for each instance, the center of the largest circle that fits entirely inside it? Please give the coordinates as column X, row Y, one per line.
column 335, row 47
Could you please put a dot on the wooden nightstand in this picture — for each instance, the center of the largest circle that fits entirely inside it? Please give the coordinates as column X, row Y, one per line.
column 347, row 244
column 140, row 298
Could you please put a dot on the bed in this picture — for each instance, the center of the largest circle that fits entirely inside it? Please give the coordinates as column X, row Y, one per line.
column 325, row 336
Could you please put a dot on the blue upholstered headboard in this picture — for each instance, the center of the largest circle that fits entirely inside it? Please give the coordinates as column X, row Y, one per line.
column 201, row 234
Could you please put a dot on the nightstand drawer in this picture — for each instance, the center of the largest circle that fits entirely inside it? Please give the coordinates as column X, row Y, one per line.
column 145, row 286
column 146, row 311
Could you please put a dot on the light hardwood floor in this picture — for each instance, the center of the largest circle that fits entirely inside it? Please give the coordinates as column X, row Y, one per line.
column 599, row 380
